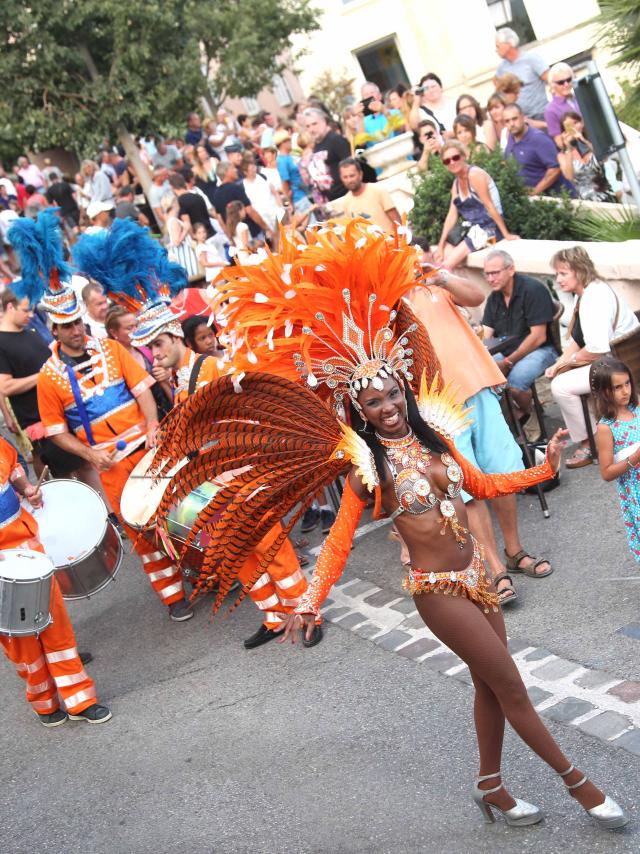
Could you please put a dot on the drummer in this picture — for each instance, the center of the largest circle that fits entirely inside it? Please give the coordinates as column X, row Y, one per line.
column 95, row 401
column 49, row 663
column 278, row 591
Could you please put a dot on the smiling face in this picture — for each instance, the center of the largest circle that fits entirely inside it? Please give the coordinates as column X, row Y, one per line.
column 385, row 409
column 454, row 160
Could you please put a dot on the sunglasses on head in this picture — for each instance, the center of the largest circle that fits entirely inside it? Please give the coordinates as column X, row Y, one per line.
column 453, row 159
column 562, row 82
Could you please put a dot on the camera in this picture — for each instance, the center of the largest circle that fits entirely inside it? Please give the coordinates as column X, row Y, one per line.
column 419, row 90
column 365, row 105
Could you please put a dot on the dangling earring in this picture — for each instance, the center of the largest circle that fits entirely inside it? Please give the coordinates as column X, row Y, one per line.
column 366, row 423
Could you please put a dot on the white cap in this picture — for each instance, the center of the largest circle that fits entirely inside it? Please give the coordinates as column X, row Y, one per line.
column 94, row 208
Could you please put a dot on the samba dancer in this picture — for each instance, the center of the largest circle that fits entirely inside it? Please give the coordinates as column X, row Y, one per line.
column 94, row 398
column 346, row 342
column 49, row 662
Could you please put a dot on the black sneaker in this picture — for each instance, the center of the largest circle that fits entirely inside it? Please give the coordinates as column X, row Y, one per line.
column 310, row 520
column 263, row 635
column 327, row 518
column 56, row 718
column 85, row 657
column 95, row 714
column 316, row 637
column 180, row 611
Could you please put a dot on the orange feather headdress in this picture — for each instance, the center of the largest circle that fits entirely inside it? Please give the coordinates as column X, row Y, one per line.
column 328, row 310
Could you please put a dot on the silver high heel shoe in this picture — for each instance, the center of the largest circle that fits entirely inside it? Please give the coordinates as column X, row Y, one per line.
column 521, row 815
column 608, row 814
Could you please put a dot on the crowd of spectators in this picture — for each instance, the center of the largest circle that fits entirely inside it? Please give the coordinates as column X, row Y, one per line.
column 221, row 189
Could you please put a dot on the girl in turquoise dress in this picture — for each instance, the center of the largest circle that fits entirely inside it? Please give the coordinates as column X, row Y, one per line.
column 618, row 437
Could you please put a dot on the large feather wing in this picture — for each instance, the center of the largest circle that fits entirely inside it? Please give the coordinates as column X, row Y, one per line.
column 273, row 444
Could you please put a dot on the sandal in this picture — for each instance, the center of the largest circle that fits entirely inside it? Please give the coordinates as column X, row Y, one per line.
column 582, row 457
column 513, row 564
column 303, row 560
column 507, row 594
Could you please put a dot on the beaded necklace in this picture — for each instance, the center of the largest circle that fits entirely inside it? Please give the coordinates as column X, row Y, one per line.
column 409, row 460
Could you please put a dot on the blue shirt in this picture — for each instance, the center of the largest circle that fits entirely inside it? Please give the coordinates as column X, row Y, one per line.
column 290, row 173
column 377, row 122
column 536, row 152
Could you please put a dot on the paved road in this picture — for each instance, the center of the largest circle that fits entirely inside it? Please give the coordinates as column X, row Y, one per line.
column 362, row 744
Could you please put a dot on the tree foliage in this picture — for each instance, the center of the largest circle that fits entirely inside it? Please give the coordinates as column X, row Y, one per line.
column 246, row 42
column 533, row 219
column 620, row 32
column 75, row 71
column 334, row 88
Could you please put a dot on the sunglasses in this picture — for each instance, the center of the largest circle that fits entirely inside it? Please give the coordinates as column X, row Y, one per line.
column 563, row 82
column 453, row 159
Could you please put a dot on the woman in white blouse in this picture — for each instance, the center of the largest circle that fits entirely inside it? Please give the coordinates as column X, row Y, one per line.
column 600, row 315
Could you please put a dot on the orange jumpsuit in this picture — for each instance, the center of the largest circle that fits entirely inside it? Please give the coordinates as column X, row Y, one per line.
column 108, row 389
column 278, row 590
column 48, row 663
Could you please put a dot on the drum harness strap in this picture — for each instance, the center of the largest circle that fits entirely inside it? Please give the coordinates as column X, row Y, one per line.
column 195, row 371
column 82, row 409
column 193, row 379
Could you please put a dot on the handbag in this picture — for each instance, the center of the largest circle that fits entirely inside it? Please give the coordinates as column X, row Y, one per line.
column 458, row 233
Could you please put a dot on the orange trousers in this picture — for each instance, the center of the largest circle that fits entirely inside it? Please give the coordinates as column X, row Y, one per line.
column 278, row 590
column 165, row 578
column 49, row 663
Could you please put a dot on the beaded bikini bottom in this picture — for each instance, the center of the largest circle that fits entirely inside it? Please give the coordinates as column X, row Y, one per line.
column 470, row 582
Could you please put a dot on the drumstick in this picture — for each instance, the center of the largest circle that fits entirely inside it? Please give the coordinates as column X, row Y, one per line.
column 43, row 475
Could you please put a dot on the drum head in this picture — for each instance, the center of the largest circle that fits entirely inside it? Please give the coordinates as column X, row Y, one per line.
column 142, row 494
column 71, row 521
column 24, row 565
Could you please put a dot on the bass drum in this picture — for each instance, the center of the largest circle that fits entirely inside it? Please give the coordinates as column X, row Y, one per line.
column 77, row 535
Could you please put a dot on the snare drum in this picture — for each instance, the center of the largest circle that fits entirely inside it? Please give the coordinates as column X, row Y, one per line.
column 76, row 533
column 25, row 591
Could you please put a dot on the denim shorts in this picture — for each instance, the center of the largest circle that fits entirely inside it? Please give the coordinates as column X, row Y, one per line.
column 524, row 373
column 487, row 443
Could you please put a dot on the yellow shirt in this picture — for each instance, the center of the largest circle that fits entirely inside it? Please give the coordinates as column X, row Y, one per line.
column 373, row 202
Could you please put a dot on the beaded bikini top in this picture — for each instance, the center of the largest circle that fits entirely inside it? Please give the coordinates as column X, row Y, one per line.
column 409, row 462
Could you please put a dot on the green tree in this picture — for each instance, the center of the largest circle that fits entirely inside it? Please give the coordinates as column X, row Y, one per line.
column 77, row 71
column 245, row 43
column 334, row 88
column 620, row 32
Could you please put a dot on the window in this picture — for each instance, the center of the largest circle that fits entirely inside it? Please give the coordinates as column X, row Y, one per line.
column 512, row 13
column 281, row 90
column 381, row 64
column 251, row 106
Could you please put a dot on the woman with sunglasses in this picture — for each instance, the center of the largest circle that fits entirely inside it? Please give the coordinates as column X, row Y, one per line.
column 563, row 100
column 475, row 198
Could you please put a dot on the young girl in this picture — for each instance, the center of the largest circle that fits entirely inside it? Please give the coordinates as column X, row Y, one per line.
column 618, row 437
column 246, row 250
column 207, row 253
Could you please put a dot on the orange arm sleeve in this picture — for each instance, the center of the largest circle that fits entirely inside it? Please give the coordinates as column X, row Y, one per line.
column 335, row 552
column 482, row 485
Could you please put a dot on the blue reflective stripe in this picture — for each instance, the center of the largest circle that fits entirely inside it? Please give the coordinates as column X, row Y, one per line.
column 9, row 504
column 80, row 407
column 99, row 406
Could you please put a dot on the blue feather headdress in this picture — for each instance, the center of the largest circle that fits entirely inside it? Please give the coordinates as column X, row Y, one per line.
column 41, row 251
column 132, row 267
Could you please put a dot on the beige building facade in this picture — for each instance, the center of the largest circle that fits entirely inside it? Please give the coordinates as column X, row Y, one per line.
column 397, row 41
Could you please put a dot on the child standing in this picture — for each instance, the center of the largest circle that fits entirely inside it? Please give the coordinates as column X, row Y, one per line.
column 618, row 437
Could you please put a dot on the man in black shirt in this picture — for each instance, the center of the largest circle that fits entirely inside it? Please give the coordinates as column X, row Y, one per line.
column 192, row 207
column 330, row 148
column 22, row 353
column 519, row 310
column 229, row 190
column 61, row 195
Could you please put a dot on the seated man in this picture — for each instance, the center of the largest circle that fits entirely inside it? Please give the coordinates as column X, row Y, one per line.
column 520, row 310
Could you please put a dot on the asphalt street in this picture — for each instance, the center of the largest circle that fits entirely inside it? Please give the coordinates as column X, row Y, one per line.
column 346, row 747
